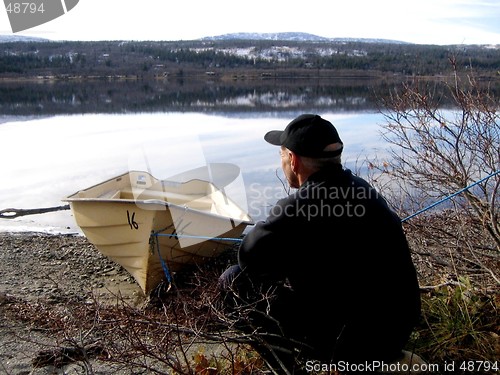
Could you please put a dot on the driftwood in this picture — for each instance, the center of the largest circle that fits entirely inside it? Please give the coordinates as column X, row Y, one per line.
column 62, row 356
column 12, row 213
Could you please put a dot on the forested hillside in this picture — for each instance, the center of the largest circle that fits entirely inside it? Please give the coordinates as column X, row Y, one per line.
column 238, row 58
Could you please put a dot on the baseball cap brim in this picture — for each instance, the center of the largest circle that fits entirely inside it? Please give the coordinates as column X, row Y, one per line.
column 274, row 137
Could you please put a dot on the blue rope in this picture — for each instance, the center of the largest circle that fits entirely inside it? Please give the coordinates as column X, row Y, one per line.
column 163, row 264
column 449, row 196
column 199, row 237
column 169, row 277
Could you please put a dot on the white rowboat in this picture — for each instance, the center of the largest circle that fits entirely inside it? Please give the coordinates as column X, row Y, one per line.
column 141, row 222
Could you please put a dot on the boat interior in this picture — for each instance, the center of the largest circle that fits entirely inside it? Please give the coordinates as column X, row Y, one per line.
column 142, row 187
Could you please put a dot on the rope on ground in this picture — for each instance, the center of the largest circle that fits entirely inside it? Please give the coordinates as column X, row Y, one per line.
column 12, row 213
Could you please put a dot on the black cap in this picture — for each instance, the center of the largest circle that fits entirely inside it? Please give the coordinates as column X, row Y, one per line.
column 307, row 135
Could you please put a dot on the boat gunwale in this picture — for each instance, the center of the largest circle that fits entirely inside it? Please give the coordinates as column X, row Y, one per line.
column 153, row 202
column 72, row 198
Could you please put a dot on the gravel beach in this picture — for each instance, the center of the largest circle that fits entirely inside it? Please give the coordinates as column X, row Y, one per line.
column 58, row 292
column 42, row 273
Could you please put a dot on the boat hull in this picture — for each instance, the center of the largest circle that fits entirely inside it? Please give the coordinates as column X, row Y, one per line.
column 143, row 234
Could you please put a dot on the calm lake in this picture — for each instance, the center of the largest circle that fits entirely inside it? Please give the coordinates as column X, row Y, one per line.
column 55, row 144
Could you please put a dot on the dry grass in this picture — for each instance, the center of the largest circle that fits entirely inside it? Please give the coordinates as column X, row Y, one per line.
column 183, row 332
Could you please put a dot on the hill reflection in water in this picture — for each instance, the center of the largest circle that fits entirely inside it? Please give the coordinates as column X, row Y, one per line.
column 133, row 96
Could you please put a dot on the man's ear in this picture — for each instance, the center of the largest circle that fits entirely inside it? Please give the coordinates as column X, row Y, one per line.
column 295, row 161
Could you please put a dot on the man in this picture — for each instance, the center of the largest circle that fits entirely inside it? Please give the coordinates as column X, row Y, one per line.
column 328, row 275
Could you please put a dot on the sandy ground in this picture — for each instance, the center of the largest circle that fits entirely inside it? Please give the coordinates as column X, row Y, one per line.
column 53, row 270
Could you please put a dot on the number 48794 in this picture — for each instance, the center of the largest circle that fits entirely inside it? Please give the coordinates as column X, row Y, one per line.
column 23, row 8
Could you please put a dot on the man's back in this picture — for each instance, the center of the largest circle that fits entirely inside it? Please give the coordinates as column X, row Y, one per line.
column 346, row 258
column 333, row 253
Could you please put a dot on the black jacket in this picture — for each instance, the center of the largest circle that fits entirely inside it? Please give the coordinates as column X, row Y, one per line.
column 345, row 255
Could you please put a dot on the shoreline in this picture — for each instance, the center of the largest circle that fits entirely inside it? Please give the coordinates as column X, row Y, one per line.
column 63, row 275
column 51, row 272
column 63, row 261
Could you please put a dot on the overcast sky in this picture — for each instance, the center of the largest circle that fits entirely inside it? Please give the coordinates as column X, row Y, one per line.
column 422, row 21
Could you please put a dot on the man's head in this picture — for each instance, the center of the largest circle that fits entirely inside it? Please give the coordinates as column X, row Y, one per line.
column 308, row 135
column 308, row 144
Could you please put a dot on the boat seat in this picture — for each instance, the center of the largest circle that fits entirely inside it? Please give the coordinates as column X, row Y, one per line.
column 196, row 201
column 112, row 194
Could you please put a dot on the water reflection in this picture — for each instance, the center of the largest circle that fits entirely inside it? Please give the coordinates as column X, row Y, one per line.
column 51, row 158
column 134, row 96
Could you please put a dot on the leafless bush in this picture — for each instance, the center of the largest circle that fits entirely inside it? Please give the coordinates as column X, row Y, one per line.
column 436, row 152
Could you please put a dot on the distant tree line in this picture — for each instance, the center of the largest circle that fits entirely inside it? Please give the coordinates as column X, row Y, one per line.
column 185, row 58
